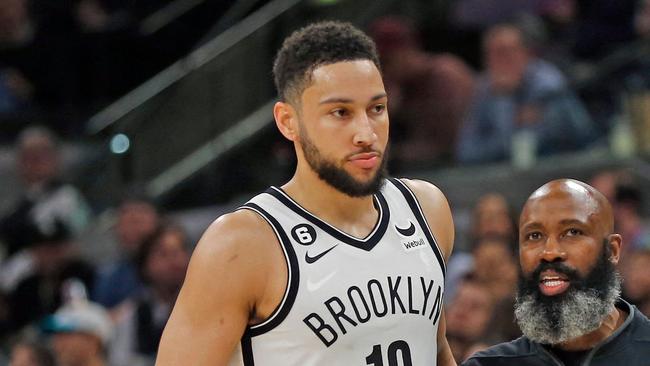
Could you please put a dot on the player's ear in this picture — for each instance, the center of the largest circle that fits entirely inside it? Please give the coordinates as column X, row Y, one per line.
column 286, row 118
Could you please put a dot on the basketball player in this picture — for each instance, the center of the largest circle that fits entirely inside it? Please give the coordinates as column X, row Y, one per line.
column 339, row 266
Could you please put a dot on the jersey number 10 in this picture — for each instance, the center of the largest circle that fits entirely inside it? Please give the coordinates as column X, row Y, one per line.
column 376, row 358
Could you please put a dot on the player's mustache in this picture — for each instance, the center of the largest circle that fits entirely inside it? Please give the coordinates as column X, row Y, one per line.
column 365, row 151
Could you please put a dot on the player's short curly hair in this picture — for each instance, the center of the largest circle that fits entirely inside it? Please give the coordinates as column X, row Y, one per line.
column 316, row 45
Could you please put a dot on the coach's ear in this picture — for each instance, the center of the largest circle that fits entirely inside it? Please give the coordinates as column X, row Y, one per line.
column 615, row 241
column 286, row 119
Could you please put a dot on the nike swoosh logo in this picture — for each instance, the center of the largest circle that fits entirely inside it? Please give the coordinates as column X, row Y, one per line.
column 408, row 231
column 315, row 285
column 313, row 259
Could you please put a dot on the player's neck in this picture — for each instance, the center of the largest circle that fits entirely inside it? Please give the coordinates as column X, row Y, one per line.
column 350, row 214
column 612, row 321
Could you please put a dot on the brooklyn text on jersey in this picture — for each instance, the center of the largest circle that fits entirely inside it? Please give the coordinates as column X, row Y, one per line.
column 376, row 299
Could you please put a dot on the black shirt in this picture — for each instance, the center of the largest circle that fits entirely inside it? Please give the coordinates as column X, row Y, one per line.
column 568, row 358
column 629, row 345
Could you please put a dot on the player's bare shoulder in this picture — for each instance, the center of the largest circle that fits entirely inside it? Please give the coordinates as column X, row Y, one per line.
column 241, row 236
column 234, row 280
column 242, row 248
column 437, row 211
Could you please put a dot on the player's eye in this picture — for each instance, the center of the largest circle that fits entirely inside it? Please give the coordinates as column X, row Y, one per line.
column 535, row 235
column 340, row 113
column 378, row 108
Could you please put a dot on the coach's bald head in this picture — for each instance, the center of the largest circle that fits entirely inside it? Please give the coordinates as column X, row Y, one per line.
column 590, row 200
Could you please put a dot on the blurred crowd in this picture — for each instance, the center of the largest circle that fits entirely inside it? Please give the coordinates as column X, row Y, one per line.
column 507, row 93
column 514, row 80
column 92, row 307
column 62, row 61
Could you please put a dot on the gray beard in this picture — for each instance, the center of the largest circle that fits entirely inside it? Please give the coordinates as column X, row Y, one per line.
column 575, row 314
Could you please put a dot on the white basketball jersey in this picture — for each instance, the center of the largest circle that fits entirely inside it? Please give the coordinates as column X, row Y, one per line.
column 350, row 301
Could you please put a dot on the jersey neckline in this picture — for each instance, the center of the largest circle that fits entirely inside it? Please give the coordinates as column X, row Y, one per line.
column 366, row 243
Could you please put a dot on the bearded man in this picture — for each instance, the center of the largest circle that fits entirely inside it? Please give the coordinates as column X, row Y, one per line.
column 568, row 304
column 339, row 266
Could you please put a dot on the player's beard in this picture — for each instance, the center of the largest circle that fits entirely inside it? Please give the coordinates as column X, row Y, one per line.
column 576, row 312
column 337, row 177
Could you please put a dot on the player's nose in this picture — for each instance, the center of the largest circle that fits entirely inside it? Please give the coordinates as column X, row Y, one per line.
column 364, row 133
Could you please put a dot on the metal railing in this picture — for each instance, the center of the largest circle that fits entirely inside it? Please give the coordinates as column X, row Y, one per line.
column 121, row 109
column 203, row 106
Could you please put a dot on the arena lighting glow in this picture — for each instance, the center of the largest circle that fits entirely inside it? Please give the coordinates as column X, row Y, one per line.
column 120, row 144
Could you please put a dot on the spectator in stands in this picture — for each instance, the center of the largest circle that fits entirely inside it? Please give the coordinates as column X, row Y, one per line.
column 16, row 24
column 620, row 188
column 110, row 54
column 558, row 38
column 38, row 292
column 26, row 353
column 102, row 16
column 605, row 182
column 45, row 198
column 642, row 19
column 429, row 94
column 15, row 27
column 626, row 198
column 81, row 332
column 468, row 316
column 162, row 262
column 628, row 217
column 519, row 92
column 15, row 97
column 482, row 14
column 137, row 219
column 44, row 58
column 560, row 11
column 491, row 219
column 495, row 266
column 468, row 20
column 636, row 283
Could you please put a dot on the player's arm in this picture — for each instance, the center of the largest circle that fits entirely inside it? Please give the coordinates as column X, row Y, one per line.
column 438, row 214
column 224, row 284
column 445, row 357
